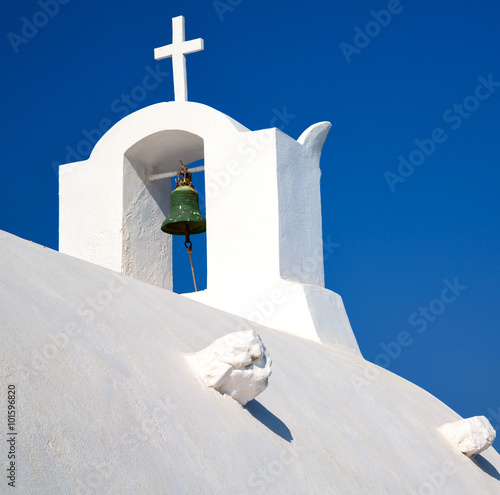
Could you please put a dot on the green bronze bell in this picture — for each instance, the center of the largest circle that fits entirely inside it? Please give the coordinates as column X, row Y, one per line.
column 185, row 217
column 184, row 210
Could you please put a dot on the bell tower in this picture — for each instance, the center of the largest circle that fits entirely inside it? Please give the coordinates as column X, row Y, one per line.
column 263, row 209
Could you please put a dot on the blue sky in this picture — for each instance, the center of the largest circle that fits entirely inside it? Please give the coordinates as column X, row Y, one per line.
column 410, row 168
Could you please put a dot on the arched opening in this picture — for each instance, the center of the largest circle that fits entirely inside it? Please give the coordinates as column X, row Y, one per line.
column 150, row 167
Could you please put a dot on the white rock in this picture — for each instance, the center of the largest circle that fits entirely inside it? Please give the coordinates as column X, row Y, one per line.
column 237, row 365
column 470, row 436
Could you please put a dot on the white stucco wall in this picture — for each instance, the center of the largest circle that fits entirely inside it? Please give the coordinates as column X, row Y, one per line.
column 263, row 208
column 109, row 211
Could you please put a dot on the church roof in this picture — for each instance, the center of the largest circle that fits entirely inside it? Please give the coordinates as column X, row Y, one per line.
column 107, row 402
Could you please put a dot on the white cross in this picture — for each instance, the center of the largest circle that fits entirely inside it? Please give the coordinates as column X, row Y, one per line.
column 178, row 51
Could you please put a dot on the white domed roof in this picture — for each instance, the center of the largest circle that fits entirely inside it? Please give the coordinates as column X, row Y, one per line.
column 107, row 403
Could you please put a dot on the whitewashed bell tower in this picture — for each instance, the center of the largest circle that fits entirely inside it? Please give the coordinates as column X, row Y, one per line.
column 263, row 208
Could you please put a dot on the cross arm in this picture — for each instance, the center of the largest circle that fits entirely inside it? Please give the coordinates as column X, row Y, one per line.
column 192, row 46
column 184, row 48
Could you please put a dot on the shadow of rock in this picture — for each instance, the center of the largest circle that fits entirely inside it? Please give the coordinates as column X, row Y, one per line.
column 486, row 466
column 267, row 418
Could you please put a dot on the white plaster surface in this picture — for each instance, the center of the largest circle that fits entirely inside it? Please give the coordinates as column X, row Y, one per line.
column 263, row 209
column 110, row 213
column 108, row 405
column 237, row 365
column 471, row 436
column 307, row 311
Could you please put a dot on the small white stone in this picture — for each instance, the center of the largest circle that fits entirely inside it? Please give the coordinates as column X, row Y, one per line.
column 237, row 365
column 470, row 436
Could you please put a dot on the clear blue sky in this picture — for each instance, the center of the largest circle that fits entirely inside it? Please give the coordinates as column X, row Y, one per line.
column 427, row 78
